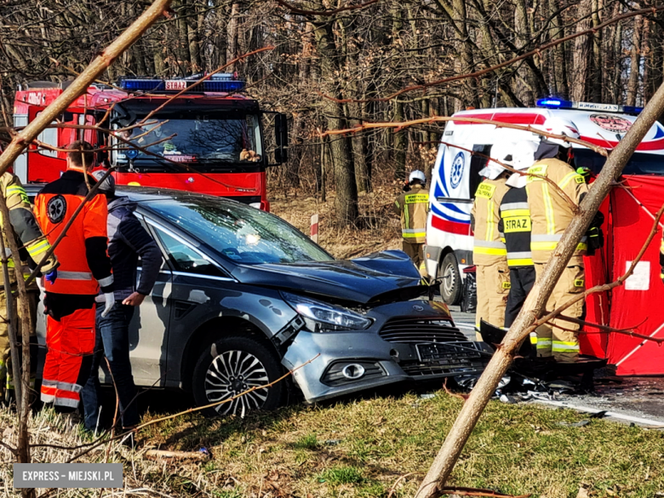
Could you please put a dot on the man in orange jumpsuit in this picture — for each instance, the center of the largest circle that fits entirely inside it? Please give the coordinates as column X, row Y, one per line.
column 84, row 267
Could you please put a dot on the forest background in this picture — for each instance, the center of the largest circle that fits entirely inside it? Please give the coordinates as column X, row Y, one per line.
column 337, row 65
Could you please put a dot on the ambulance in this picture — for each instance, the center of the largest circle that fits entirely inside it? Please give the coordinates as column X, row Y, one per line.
column 455, row 176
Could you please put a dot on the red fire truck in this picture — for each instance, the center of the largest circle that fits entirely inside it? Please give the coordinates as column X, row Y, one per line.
column 208, row 140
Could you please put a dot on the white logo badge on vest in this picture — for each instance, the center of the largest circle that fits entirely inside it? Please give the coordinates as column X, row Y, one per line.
column 56, row 209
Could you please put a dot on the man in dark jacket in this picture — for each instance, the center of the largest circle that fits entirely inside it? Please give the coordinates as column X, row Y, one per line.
column 127, row 241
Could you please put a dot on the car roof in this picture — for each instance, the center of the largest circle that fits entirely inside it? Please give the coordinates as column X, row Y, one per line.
column 143, row 195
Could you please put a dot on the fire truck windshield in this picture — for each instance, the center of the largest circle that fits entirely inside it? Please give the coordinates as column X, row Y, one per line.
column 206, row 139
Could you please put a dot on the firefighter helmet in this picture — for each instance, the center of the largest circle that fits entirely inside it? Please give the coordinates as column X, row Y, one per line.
column 503, row 152
column 417, row 175
column 524, row 154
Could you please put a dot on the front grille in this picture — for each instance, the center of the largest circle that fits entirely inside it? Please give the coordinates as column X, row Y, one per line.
column 416, row 369
column 411, row 330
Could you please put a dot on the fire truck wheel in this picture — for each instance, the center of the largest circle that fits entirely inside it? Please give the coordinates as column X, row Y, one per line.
column 450, row 279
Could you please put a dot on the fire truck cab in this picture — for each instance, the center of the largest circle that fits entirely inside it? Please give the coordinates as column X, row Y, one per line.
column 209, row 139
column 455, row 176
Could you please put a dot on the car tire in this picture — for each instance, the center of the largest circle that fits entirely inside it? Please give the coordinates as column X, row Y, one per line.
column 231, row 365
column 451, row 285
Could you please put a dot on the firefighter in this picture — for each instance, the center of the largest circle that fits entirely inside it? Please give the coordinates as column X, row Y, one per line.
column 35, row 246
column 84, row 268
column 551, row 213
column 413, row 206
column 516, row 225
column 489, row 252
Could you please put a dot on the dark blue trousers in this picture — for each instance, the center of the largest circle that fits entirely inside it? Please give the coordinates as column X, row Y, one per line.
column 112, row 341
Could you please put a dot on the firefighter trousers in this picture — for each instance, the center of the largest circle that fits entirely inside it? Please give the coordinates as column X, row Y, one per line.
column 416, row 254
column 493, row 285
column 6, row 373
column 522, row 279
column 70, row 343
column 560, row 338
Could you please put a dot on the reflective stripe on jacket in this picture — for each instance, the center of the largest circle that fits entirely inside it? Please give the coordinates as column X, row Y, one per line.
column 26, row 229
column 413, row 207
column 516, row 225
column 82, row 252
column 488, row 244
column 550, row 212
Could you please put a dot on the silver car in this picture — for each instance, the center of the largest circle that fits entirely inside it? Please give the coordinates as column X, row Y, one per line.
column 243, row 297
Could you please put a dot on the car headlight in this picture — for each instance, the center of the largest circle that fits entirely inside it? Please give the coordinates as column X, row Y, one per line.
column 323, row 317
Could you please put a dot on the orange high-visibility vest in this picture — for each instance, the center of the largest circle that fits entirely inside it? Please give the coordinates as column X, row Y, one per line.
column 54, row 207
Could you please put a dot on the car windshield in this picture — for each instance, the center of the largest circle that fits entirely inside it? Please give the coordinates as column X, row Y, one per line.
column 240, row 233
column 198, row 138
column 639, row 164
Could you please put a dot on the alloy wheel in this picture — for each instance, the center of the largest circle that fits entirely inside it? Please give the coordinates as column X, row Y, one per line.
column 232, row 373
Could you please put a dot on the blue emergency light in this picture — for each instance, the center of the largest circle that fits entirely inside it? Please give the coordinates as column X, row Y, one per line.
column 554, row 103
column 141, row 85
column 223, row 82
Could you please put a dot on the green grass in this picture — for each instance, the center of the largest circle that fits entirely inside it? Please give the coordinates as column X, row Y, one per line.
column 342, row 475
column 361, row 448
column 308, row 442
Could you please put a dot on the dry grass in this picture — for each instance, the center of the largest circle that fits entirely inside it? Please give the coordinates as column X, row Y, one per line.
column 380, row 228
column 361, row 448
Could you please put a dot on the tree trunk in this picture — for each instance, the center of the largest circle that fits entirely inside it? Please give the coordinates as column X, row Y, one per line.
column 193, row 28
column 635, row 63
column 340, row 147
column 471, row 96
column 400, row 143
column 597, row 76
column 559, row 66
column 581, row 58
column 617, row 66
column 360, row 149
column 232, row 35
column 656, row 59
column 534, row 306
column 184, row 58
column 529, row 93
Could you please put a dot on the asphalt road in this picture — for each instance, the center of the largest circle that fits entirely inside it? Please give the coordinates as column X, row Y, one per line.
column 637, row 400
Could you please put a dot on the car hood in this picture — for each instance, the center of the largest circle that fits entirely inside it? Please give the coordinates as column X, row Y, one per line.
column 362, row 280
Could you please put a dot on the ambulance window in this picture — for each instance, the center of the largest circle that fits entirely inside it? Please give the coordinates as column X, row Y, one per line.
column 478, row 162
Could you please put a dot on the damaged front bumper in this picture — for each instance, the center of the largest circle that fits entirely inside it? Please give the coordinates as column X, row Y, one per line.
column 408, row 341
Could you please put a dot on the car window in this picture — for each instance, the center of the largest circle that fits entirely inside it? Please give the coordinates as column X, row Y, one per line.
column 240, row 233
column 185, row 258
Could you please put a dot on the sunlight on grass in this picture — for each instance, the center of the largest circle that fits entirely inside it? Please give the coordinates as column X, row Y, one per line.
column 361, row 448
column 341, row 475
